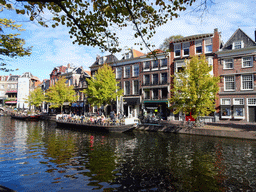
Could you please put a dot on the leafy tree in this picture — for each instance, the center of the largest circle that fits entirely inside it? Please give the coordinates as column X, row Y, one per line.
column 165, row 45
column 102, row 89
column 194, row 88
column 10, row 44
column 36, row 97
column 60, row 93
column 94, row 23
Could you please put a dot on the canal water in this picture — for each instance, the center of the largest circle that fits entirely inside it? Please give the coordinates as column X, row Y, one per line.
column 38, row 156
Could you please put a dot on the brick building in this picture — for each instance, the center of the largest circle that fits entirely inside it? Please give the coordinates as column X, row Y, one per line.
column 186, row 47
column 237, row 69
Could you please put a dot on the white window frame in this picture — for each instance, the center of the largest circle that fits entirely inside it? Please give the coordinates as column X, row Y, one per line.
column 251, row 104
column 206, row 43
column 154, row 68
column 251, row 61
column 144, row 64
column 125, row 75
column 225, row 89
column 133, row 69
column 177, row 47
column 225, row 61
column 185, row 45
column 224, row 106
column 179, row 64
column 161, row 61
column 238, row 101
column 152, row 78
column 133, row 92
column 200, row 45
column 251, row 80
column 240, row 42
column 118, row 68
column 234, row 112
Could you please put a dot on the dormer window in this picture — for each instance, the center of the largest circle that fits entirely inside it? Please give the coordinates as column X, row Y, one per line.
column 238, row 45
column 101, row 60
column 177, row 49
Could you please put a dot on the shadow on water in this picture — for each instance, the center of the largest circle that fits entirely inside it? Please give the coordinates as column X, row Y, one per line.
column 37, row 155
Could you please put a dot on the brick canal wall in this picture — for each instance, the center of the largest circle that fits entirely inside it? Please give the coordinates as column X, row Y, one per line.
column 216, row 130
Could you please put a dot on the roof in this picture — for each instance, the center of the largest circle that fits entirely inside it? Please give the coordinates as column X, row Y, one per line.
column 239, row 34
column 155, row 51
column 88, row 72
column 193, row 37
column 108, row 59
column 136, row 53
column 37, row 83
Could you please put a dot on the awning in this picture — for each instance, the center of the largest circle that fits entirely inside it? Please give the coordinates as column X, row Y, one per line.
column 10, row 102
column 11, row 91
column 74, row 105
column 131, row 101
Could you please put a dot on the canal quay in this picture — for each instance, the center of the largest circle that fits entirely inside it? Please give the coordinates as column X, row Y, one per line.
column 38, row 156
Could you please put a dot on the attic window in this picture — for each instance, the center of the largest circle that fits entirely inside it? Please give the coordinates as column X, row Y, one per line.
column 238, row 45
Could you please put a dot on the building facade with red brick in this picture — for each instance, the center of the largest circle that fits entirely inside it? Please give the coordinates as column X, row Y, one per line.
column 237, row 69
column 184, row 48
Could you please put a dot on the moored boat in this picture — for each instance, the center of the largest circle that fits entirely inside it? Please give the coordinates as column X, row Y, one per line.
column 98, row 127
column 25, row 117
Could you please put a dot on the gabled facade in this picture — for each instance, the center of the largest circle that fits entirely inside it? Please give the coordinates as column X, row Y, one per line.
column 184, row 48
column 237, row 69
column 77, row 77
column 56, row 72
column 12, row 90
column 3, row 88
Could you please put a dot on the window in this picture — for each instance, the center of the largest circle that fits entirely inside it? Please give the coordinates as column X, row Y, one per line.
column 146, row 80
column 228, row 64
column 119, row 84
column 155, row 64
column 146, row 94
column 238, row 101
column 198, row 46
column 186, row 49
column 119, row 72
column 163, row 63
column 101, row 60
column 208, row 45
column 229, row 84
column 127, row 88
column 238, row 112
column 247, row 82
column 247, row 62
column 210, row 63
column 225, row 112
column 136, row 70
column 225, row 101
column 155, row 79
column 251, row 101
column 238, row 45
column 155, row 93
column 179, row 66
column 2, row 86
column 136, row 87
column 177, row 49
column 127, row 72
column 164, row 78
column 146, row 65
column 164, row 93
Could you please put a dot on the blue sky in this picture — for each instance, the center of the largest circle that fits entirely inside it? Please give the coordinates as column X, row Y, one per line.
column 53, row 47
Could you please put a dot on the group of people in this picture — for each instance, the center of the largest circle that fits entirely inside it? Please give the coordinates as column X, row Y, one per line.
column 99, row 118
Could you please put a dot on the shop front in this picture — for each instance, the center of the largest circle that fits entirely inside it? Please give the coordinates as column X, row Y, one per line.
column 158, row 108
column 131, row 106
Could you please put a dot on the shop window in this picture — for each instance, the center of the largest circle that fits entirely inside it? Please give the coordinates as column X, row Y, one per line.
column 225, row 112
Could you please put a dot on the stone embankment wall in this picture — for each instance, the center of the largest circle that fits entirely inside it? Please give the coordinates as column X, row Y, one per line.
column 217, row 130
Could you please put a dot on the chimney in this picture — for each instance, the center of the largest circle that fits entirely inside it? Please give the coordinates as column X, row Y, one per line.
column 69, row 65
column 216, row 30
column 255, row 35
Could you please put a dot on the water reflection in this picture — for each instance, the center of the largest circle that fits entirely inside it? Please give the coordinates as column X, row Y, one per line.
column 37, row 155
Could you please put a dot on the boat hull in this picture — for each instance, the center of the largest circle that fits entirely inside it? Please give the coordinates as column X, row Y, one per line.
column 33, row 117
column 110, row 128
